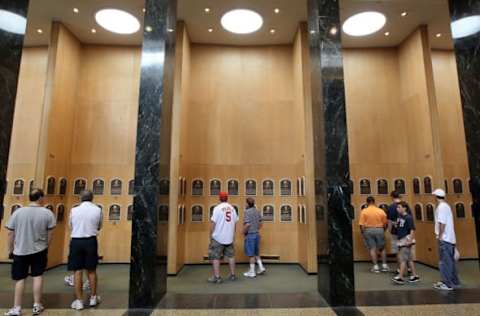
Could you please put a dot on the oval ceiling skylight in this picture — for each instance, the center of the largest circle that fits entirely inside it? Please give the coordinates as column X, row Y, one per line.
column 364, row 23
column 242, row 21
column 117, row 21
column 12, row 22
column 466, row 26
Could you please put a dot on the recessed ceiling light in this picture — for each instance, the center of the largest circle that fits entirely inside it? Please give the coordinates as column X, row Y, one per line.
column 12, row 22
column 242, row 21
column 39, row 31
column 312, row 32
column 210, row 30
column 207, row 10
column 170, row 30
column 272, row 31
column 148, row 28
column 75, row 10
column 144, row 10
column 387, row 33
column 333, row 30
column 438, row 35
column 466, row 26
column 404, row 13
column 364, row 23
column 93, row 31
column 277, row 10
column 117, row 21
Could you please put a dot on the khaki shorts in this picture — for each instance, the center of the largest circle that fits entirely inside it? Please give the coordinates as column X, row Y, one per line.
column 217, row 251
column 374, row 238
column 406, row 254
column 394, row 244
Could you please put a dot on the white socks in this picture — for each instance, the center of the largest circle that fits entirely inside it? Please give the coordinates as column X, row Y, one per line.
column 260, row 264
column 252, row 268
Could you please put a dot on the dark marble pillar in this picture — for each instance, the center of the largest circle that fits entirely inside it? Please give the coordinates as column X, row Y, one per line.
column 148, row 272
column 11, row 46
column 336, row 277
column 467, row 51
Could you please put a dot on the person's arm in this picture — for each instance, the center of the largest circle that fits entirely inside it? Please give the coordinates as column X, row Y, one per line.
column 442, row 221
column 441, row 230
column 246, row 226
column 100, row 224
column 212, row 228
column 361, row 222
column 10, row 242
column 50, row 235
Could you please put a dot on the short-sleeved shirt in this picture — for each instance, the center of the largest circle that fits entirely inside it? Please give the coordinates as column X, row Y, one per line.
column 85, row 220
column 392, row 216
column 31, row 225
column 405, row 224
column 225, row 217
column 443, row 215
column 373, row 217
column 254, row 219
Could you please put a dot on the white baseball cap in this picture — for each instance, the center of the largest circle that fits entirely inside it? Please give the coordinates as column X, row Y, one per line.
column 439, row 193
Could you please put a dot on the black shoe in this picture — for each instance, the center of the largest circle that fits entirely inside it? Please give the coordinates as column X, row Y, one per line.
column 232, row 277
column 398, row 280
column 413, row 279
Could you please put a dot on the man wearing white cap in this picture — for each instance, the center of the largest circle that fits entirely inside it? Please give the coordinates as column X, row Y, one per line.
column 445, row 232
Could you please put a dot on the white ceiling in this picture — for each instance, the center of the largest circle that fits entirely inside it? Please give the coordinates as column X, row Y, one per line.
column 434, row 13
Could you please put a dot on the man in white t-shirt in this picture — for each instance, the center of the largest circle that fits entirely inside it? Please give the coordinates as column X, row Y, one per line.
column 445, row 232
column 222, row 233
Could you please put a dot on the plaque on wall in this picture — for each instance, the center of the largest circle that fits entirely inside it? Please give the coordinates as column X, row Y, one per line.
column 130, row 212
column 163, row 213
column 63, row 186
column 320, row 212
column 457, row 186
column 215, row 187
column 114, row 214
column 460, row 210
column 164, row 187
column 131, row 187
column 116, row 187
column 60, row 213
column 286, row 187
column 50, row 207
column 79, row 186
column 427, row 185
column 197, row 187
column 418, row 212
column 363, row 206
column 51, row 185
column 18, row 187
column 430, row 213
column 365, row 187
column 98, row 186
column 285, row 213
column 197, row 214
column 400, row 186
column 445, row 182
column 318, row 187
column 232, row 187
column 384, row 207
column 382, row 186
column 14, row 208
column 31, row 186
column 251, row 187
column 416, row 186
column 210, row 214
column 267, row 187
column 268, row 213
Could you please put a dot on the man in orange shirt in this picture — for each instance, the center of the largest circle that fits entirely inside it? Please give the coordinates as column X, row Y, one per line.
column 373, row 222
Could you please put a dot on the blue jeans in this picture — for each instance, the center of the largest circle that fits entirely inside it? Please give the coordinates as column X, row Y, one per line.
column 448, row 269
column 252, row 245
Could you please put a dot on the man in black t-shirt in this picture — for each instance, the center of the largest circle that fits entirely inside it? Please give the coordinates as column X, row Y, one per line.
column 405, row 230
column 392, row 216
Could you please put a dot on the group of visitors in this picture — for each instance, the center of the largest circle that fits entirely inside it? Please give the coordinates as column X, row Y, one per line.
column 399, row 223
column 30, row 233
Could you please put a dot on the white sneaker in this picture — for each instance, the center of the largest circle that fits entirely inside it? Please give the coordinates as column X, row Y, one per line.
column 77, row 305
column 15, row 311
column 250, row 274
column 261, row 270
column 37, row 309
column 375, row 269
column 94, row 301
column 69, row 280
column 385, row 268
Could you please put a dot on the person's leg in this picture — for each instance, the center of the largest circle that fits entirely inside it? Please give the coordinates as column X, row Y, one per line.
column 373, row 255
column 37, row 289
column 403, row 269
column 92, row 278
column 216, row 268
column 384, row 256
column 411, row 264
column 19, row 289
column 78, row 282
column 231, row 264
column 258, row 259
column 443, row 264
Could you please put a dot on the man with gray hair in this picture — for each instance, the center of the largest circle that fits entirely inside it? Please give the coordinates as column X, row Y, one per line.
column 85, row 222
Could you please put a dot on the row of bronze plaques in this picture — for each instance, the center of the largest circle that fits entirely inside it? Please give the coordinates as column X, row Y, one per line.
column 399, row 185
column 268, row 213
column 250, row 187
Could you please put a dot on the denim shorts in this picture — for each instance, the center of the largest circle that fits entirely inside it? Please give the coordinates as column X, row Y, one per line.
column 252, row 245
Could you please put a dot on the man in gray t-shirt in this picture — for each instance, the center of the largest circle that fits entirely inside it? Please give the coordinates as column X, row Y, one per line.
column 30, row 232
column 252, row 223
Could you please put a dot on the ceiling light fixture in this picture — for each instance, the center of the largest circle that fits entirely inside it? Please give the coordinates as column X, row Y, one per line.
column 465, row 27
column 438, row 35
column 207, row 10
column 117, row 21
column 170, row 30
column 39, row 31
column 333, row 30
column 277, row 10
column 272, row 31
column 364, row 23
column 75, row 10
column 148, row 28
column 387, row 33
column 93, row 31
column 210, row 30
column 144, row 10
column 12, row 22
column 242, row 21
column 404, row 13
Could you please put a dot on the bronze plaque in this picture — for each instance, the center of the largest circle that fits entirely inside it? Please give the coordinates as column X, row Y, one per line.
column 232, row 187
column 197, row 187
column 98, row 186
column 430, row 213
column 457, row 186
column 382, row 186
column 286, row 187
column 63, row 186
column 400, row 186
column 286, row 213
column 116, row 187
column 164, row 186
column 60, row 213
column 18, row 187
column 215, row 187
column 365, row 187
column 267, row 187
column 130, row 212
column 251, row 187
column 163, row 213
column 51, row 182
column 197, row 214
column 418, row 212
column 416, row 186
column 268, row 213
column 427, row 185
column 114, row 213
column 131, row 187
column 460, row 210
column 79, row 186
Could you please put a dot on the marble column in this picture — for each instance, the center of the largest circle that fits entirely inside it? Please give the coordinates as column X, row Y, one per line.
column 11, row 45
column 148, row 272
column 336, row 276
column 467, row 51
